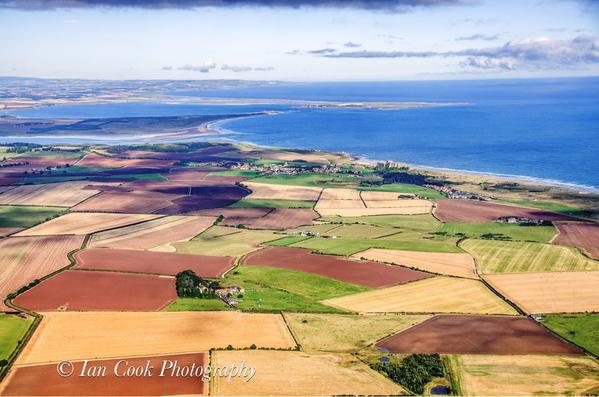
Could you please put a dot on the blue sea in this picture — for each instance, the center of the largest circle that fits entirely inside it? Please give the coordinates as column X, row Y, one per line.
column 538, row 130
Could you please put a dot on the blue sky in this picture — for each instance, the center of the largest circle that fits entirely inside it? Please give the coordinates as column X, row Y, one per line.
column 327, row 41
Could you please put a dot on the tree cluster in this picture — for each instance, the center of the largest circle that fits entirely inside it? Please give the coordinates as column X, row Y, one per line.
column 188, row 286
column 414, row 372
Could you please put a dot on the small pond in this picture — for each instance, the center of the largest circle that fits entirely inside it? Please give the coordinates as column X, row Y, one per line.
column 439, row 391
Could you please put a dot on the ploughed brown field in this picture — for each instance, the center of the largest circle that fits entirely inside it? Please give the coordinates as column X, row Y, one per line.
column 195, row 203
column 8, row 181
column 369, row 274
column 582, row 236
column 186, row 177
column 136, row 202
column 226, row 178
column 24, row 259
column 221, row 190
column 5, row 231
column 453, row 334
column 233, row 212
column 63, row 194
column 100, row 291
column 478, row 211
column 278, row 219
column 94, row 160
column 163, row 187
column 153, row 262
column 43, row 380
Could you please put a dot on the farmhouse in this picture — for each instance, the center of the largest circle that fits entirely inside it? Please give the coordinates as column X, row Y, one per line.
column 232, row 289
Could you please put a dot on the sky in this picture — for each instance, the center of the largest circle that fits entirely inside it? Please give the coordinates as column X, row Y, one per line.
column 299, row 40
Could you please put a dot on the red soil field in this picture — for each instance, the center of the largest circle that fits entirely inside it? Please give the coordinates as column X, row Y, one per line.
column 153, row 262
column 368, row 274
column 5, row 231
column 166, row 189
column 276, row 220
column 43, row 380
column 478, row 211
column 94, row 160
column 225, row 191
column 186, row 176
column 224, row 178
column 233, row 212
column 582, row 236
column 130, row 202
column 194, row 203
column 448, row 334
column 100, row 291
column 8, row 181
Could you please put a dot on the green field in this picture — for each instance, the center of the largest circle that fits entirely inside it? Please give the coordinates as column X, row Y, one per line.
column 351, row 246
column 235, row 244
column 419, row 223
column 582, row 329
column 46, row 154
column 157, row 177
column 345, row 333
column 243, row 173
column 540, row 234
column 362, row 231
column 494, row 257
column 271, row 203
column 12, row 329
column 191, row 304
column 287, row 240
column 307, row 285
column 26, row 216
column 550, row 207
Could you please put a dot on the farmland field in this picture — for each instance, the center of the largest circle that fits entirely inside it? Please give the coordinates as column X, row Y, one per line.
column 22, row 216
column 236, row 243
column 25, row 259
column 449, row 334
column 282, row 192
column 295, row 373
column 340, row 194
column 495, row 257
column 186, row 177
column 63, row 194
column 324, row 205
column 94, row 160
column 287, row 240
column 344, row 333
column 152, row 262
column 153, row 234
column 185, row 204
column 582, row 236
column 540, row 234
column 398, row 203
column 435, row 295
column 12, row 329
column 196, row 305
column 550, row 292
column 99, row 291
column 233, row 212
column 5, row 231
column 85, row 335
column 268, row 203
column 418, row 223
column 383, row 196
column 276, row 220
column 80, row 223
column 460, row 265
column 362, row 231
column 353, row 212
column 41, row 379
column 313, row 228
column 136, row 202
column 580, row 328
column 482, row 375
column 367, row 274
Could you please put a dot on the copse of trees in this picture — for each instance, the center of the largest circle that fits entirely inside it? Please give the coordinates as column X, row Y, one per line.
column 414, row 371
column 190, row 285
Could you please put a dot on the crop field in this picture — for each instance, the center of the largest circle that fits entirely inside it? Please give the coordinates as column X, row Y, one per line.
column 367, row 274
column 340, row 194
column 435, row 295
column 234, row 173
column 323, row 204
column 285, row 241
column 195, row 203
column 155, row 234
column 495, row 257
column 299, row 374
column 21, row 216
column 218, row 190
column 460, row 265
column 362, row 231
column 482, row 375
column 41, row 379
column 398, row 203
column 383, row 196
column 89, row 335
column 238, row 243
column 12, row 329
column 540, row 234
column 550, row 292
column 94, row 160
column 269, row 204
column 186, row 178
column 579, row 328
column 420, row 223
column 353, row 212
column 100, row 291
column 313, row 228
column 282, row 192
column 344, row 333
column 8, row 181
column 131, row 202
column 308, row 285
column 276, row 220
column 197, row 305
column 581, row 236
column 6, row 231
column 448, row 334
column 64, row 194
column 80, row 223
column 478, row 211
column 233, row 212
column 216, row 177
column 25, row 259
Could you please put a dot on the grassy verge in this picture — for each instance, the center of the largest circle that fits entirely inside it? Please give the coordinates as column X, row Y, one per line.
column 582, row 329
column 282, row 242
column 26, row 216
column 539, row 234
column 191, row 304
column 271, row 203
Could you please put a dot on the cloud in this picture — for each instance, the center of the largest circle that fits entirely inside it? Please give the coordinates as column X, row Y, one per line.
column 478, row 36
column 73, row 21
column 294, row 52
column 382, row 54
column 395, row 6
column 167, row 67
column 560, row 30
column 323, row 51
column 236, row 68
column 205, row 68
column 268, row 69
column 352, row 45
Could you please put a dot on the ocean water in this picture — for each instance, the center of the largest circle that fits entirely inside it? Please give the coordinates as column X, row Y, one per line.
column 541, row 130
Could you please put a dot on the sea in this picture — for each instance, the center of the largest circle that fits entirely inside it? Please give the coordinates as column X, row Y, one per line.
column 536, row 130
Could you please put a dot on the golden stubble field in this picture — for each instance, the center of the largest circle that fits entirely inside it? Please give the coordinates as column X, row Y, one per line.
column 63, row 194
column 554, row 292
column 340, row 194
column 282, row 192
column 90, row 335
column 299, row 374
